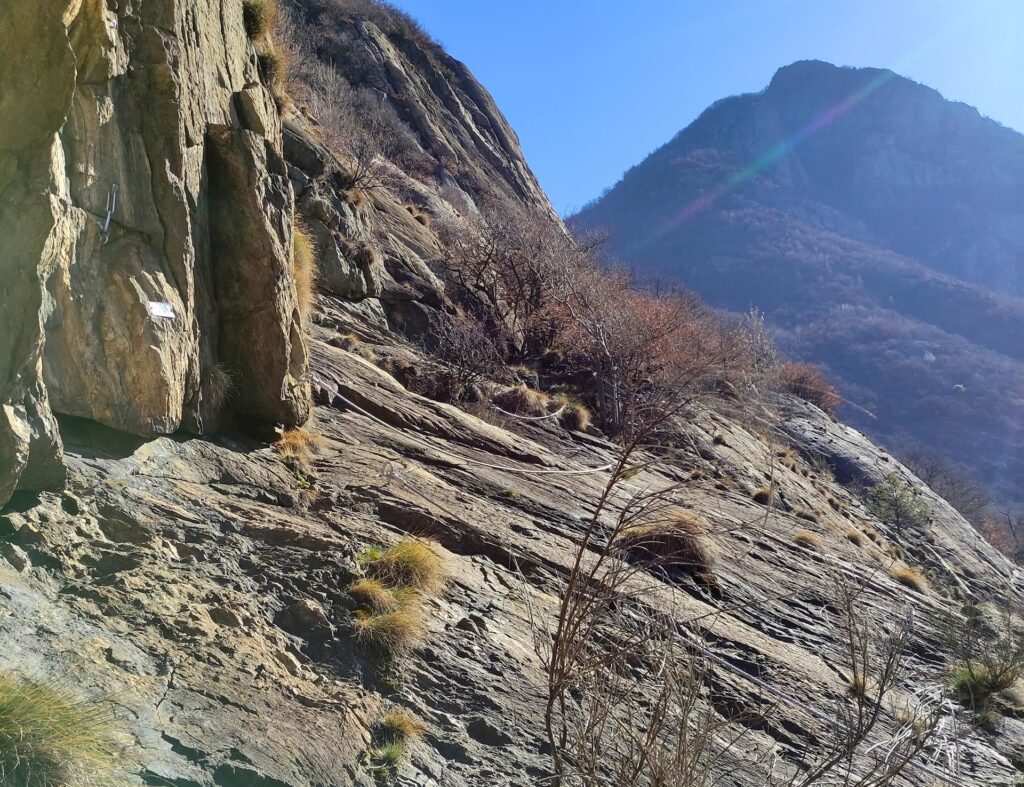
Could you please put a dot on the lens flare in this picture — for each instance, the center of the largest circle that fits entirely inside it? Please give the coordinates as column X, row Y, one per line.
column 707, row 200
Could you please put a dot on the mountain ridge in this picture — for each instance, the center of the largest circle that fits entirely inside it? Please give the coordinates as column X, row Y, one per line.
column 838, row 189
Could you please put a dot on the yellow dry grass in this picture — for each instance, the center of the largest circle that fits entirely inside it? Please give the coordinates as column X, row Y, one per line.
column 522, row 400
column 574, row 414
column 677, row 542
column 910, row 577
column 49, row 737
column 808, row 539
column 413, row 564
column 304, row 267
column 259, row 17
column 401, row 726
column 393, row 633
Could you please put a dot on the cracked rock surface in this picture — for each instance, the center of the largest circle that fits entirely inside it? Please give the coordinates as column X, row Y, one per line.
column 195, row 584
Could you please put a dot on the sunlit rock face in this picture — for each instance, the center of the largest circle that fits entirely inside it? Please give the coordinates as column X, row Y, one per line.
column 35, row 97
column 147, row 223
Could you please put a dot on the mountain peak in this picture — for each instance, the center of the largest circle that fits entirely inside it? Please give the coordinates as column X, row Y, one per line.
column 865, row 196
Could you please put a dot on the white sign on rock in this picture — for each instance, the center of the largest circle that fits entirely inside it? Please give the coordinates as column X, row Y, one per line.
column 161, row 309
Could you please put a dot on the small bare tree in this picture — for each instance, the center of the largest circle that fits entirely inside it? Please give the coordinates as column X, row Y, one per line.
column 950, row 483
column 466, row 349
column 507, row 261
column 645, row 354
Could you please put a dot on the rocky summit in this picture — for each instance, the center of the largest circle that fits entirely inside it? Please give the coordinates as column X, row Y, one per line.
column 294, row 495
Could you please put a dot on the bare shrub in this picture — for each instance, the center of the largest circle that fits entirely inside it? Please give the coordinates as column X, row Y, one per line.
column 644, row 354
column 1004, row 531
column 764, row 363
column 466, row 349
column 951, row 483
column 507, row 261
column 356, row 120
column 988, row 656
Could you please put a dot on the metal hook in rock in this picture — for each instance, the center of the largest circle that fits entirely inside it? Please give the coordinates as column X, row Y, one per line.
column 111, row 207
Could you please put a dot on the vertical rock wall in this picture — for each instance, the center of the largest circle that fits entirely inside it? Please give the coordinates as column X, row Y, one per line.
column 36, row 87
column 146, row 220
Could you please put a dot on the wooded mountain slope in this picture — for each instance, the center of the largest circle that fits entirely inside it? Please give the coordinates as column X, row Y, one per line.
column 881, row 230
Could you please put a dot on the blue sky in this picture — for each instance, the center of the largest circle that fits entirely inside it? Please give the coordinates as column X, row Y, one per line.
column 591, row 87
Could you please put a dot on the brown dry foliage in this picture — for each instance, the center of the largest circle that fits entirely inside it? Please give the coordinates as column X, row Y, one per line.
column 808, row 539
column 910, row 577
column 810, row 385
column 521, row 400
column 304, row 266
column 673, row 544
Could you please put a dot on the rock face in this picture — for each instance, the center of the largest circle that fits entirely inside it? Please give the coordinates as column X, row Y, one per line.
column 881, row 230
column 35, row 96
column 446, row 151
column 454, row 119
column 187, row 579
column 146, row 181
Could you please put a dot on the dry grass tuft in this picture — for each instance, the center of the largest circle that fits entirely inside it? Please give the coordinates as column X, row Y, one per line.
column 675, row 544
column 805, row 513
column 390, row 755
column 855, row 537
column 297, row 449
column 51, row 738
column 305, row 269
column 348, row 341
column 860, row 686
column 521, row 400
column 273, row 68
column 910, row 577
column 218, row 385
column 366, row 352
column 419, row 214
column 393, row 633
column 401, row 726
column 259, row 17
column 787, row 458
column 376, row 597
column 355, row 197
column 413, row 564
column 764, row 495
column 574, row 414
column 810, row 540
column 975, row 683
